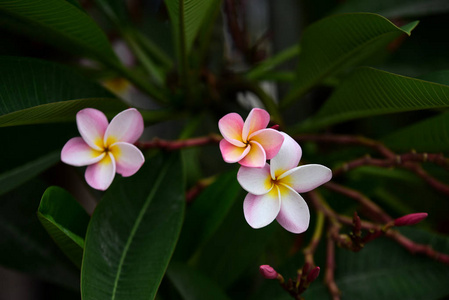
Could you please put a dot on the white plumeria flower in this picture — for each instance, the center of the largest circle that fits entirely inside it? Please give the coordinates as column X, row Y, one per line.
column 105, row 148
column 274, row 189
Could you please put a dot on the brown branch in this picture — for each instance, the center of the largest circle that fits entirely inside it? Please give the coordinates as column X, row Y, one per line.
column 179, row 144
column 329, row 279
column 376, row 212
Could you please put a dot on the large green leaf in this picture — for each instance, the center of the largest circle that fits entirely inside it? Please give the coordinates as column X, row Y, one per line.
column 340, row 41
column 396, row 8
column 24, row 244
column 233, row 248
column 186, row 17
column 65, row 220
column 11, row 179
column 133, row 232
column 192, row 284
column 204, row 217
column 369, row 92
column 430, row 135
column 35, row 91
column 61, row 24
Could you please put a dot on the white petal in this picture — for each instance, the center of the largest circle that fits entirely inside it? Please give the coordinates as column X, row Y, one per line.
column 77, row 153
column 128, row 158
column 92, row 125
column 256, row 181
column 287, row 158
column 127, row 127
column 305, row 178
column 261, row 210
column 294, row 214
column 100, row 175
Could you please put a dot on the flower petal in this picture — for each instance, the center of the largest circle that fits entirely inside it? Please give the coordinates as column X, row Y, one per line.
column 77, row 153
column 256, row 181
column 255, row 158
column 128, row 158
column 261, row 210
column 232, row 153
column 127, row 127
column 305, row 178
column 294, row 213
column 271, row 141
column 92, row 125
column 231, row 127
column 100, row 175
column 257, row 119
column 287, row 158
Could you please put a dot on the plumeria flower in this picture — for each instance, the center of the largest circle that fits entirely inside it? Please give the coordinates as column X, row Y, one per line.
column 274, row 189
column 249, row 143
column 105, row 148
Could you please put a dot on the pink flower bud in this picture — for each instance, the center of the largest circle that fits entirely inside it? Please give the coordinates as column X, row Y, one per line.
column 275, row 127
column 268, row 272
column 313, row 274
column 410, row 219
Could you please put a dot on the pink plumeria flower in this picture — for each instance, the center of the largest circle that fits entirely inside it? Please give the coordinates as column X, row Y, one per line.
column 249, row 143
column 105, row 148
column 274, row 189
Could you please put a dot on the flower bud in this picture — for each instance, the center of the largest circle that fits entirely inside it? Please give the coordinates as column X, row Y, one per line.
column 410, row 219
column 268, row 272
column 313, row 274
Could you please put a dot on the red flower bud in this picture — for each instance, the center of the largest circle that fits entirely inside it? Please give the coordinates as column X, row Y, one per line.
column 410, row 219
column 313, row 274
column 268, row 272
column 275, row 127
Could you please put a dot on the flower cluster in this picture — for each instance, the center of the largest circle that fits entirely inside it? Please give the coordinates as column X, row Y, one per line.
column 273, row 189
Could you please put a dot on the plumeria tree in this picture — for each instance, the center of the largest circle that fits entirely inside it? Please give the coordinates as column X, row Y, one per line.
column 149, row 146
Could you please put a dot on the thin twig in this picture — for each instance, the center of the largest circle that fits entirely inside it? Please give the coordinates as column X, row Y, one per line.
column 375, row 211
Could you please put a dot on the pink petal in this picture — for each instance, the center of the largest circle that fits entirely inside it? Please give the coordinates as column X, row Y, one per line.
column 261, row 210
column 255, row 158
column 126, row 127
column 77, row 153
column 257, row 119
column 287, row 158
column 294, row 213
column 100, row 175
column 128, row 158
column 256, row 181
column 271, row 141
column 305, row 178
column 92, row 125
column 231, row 127
column 231, row 153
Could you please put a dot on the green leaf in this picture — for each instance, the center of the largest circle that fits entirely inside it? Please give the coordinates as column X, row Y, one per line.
column 59, row 23
column 430, row 135
column 204, row 216
column 267, row 65
column 11, row 179
column 233, row 249
column 35, row 91
column 340, row 41
column 186, row 17
column 133, row 232
column 192, row 284
column 397, row 8
column 65, row 221
column 369, row 92
column 25, row 246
